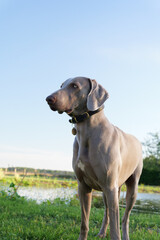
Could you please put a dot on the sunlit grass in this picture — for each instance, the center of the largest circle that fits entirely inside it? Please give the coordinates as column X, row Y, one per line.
column 39, row 181
column 56, row 182
column 25, row 220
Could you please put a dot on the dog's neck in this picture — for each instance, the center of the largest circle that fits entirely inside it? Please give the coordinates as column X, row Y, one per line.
column 81, row 118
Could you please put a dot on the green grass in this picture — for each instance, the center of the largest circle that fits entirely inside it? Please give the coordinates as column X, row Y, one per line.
column 145, row 189
column 26, row 220
column 55, row 182
column 39, row 181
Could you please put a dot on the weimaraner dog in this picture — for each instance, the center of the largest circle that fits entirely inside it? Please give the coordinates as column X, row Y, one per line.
column 104, row 157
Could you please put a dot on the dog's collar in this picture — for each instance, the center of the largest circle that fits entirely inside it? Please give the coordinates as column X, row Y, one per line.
column 84, row 116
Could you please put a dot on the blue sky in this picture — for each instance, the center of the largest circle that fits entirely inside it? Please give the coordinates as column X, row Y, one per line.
column 42, row 43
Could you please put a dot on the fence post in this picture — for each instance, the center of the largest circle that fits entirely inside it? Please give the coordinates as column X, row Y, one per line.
column 24, row 172
column 35, row 172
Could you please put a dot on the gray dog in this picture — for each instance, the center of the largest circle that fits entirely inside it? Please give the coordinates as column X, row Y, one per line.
column 104, row 157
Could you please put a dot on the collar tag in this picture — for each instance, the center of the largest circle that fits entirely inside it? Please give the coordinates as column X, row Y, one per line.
column 74, row 131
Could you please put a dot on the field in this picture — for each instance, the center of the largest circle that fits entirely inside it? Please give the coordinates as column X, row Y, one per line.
column 23, row 219
column 26, row 220
column 56, row 182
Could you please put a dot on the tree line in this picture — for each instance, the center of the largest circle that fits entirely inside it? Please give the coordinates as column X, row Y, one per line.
column 151, row 163
column 38, row 172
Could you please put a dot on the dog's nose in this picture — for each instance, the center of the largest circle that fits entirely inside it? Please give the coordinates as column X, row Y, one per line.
column 51, row 99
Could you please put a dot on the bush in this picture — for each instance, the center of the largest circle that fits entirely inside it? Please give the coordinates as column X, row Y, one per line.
column 150, row 177
column 151, row 171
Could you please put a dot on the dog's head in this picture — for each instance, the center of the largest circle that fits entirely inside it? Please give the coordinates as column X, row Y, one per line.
column 78, row 95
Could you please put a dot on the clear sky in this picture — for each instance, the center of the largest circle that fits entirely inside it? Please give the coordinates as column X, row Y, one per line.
column 42, row 43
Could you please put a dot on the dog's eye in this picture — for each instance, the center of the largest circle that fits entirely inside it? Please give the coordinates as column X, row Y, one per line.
column 74, row 85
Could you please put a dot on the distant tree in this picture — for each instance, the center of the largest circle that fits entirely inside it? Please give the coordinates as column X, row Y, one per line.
column 151, row 162
column 152, row 146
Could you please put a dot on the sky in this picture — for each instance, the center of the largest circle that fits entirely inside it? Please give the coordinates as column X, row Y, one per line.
column 45, row 42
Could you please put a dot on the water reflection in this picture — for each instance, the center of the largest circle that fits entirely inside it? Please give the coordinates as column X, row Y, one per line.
column 44, row 194
column 147, row 203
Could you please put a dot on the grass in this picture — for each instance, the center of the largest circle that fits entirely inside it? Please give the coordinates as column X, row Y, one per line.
column 145, row 189
column 39, row 181
column 55, row 182
column 26, row 220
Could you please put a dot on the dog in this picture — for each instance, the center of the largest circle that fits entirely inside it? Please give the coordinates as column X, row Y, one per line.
column 104, row 157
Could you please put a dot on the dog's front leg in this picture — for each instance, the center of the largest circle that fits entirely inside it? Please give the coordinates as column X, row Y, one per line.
column 113, row 205
column 85, row 196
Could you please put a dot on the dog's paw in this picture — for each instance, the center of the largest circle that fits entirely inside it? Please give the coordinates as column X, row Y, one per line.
column 101, row 235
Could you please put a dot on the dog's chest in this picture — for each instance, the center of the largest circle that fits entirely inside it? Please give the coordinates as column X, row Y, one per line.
column 83, row 160
column 84, row 166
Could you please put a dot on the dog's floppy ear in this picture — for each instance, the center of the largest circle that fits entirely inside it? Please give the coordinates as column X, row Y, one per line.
column 97, row 96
